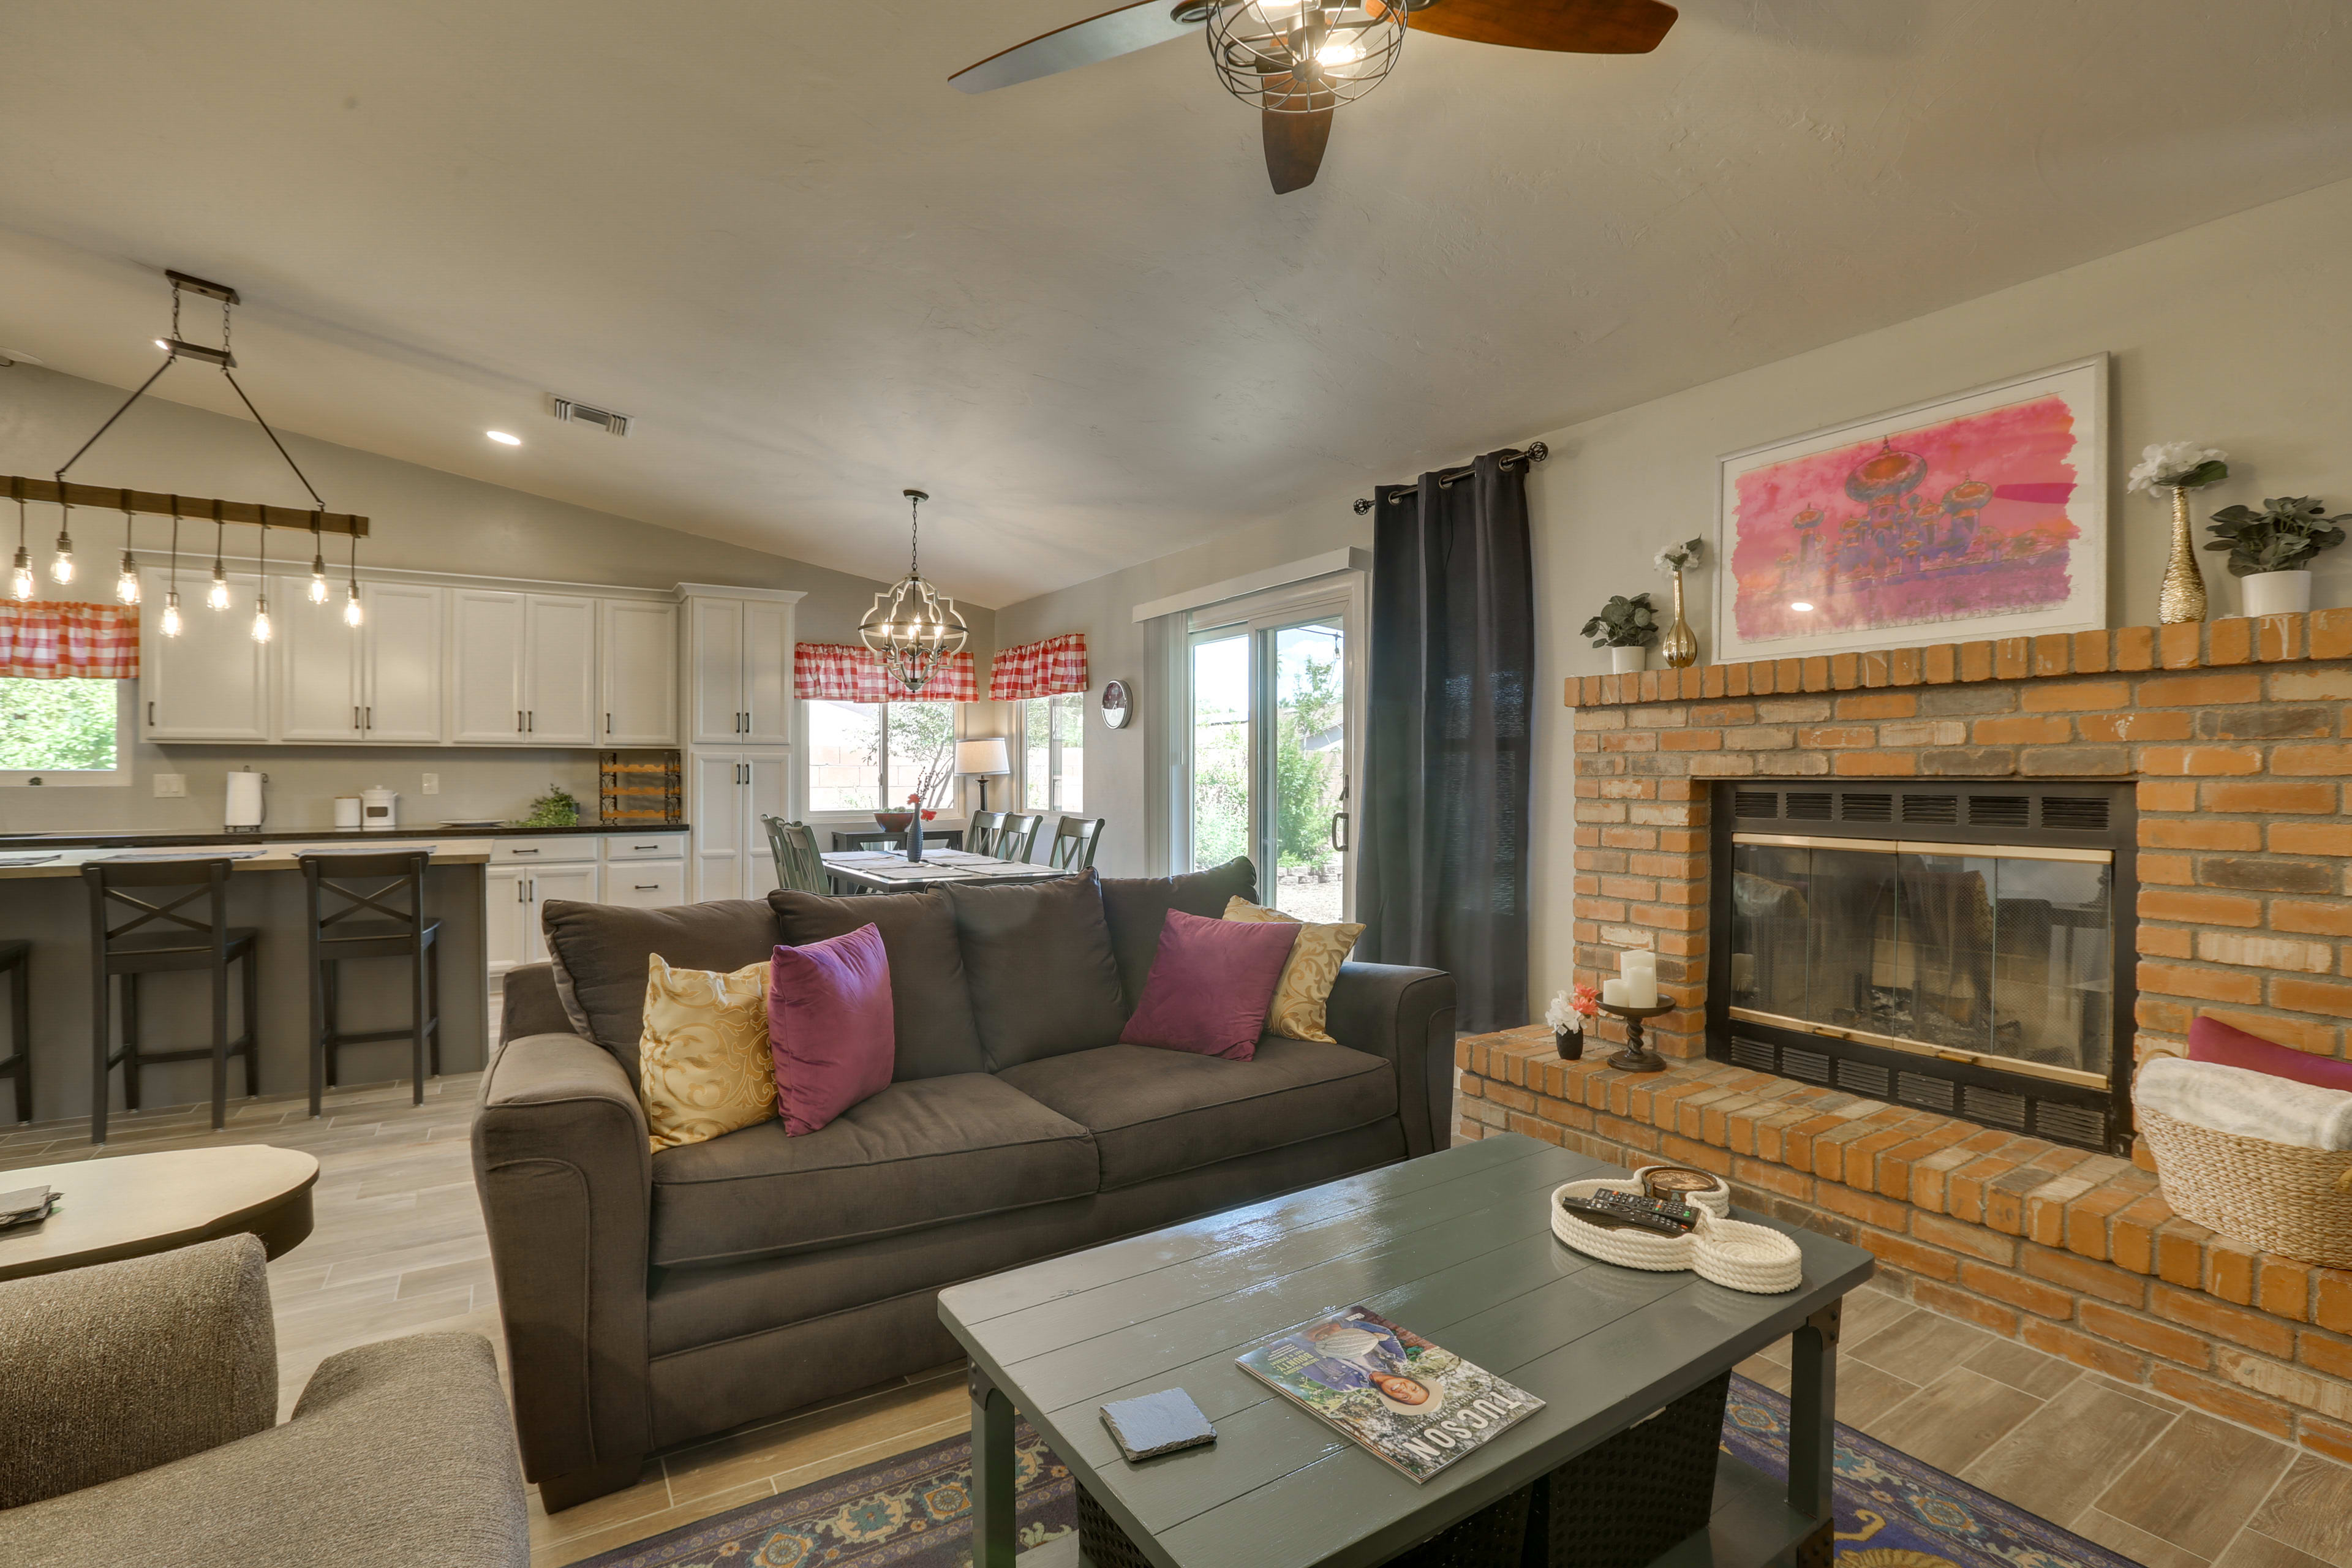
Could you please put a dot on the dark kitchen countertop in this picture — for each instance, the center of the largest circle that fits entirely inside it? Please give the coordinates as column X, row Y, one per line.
column 136, row 839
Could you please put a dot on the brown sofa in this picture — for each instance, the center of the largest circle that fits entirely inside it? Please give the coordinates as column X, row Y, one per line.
column 649, row 1299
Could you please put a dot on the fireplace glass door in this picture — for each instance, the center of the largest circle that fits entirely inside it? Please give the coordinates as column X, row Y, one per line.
column 1996, row 952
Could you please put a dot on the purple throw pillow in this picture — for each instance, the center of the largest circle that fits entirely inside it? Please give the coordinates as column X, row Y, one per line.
column 1210, row 986
column 2212, row 1040
column 829, row 1026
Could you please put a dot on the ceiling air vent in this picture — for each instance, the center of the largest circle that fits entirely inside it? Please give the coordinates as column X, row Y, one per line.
column 1933, row 810
column 1866, row 807
column 2071, row 810
column 1806, row 806
column 1755, row 803
column 1999, row 810
column 605, row 419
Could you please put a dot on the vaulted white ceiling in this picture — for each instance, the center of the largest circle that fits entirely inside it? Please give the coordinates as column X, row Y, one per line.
column 1072, row 310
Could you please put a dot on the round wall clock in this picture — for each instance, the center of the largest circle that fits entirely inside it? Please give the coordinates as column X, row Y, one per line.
column 1118, row 704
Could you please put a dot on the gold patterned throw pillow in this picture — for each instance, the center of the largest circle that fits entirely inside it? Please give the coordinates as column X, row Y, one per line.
column 703, row 1063
column 1296, row 1013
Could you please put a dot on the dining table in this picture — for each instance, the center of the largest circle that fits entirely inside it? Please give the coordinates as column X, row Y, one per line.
column 890, row 870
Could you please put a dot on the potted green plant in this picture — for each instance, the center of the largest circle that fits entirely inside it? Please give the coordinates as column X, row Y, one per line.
column 1627, row 627
column 2271, row 551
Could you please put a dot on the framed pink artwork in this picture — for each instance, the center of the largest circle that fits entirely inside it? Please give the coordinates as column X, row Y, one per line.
column 1983, row 514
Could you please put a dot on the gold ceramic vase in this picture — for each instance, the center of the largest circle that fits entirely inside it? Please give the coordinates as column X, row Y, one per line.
column 1680, row 645
column 2183, row 597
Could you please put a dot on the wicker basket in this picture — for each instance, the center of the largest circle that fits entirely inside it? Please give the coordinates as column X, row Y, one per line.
column 2291, row 1201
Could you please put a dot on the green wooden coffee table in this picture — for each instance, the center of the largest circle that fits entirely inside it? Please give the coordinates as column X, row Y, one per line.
column 1457, row 1247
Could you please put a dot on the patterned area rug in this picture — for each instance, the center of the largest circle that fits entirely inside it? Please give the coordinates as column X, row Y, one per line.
column 914, row 1510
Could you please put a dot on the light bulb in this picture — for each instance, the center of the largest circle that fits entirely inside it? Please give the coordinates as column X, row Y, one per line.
column 261, row 618
column 20, row 581
column 217, row 597
column 318, row 579
column 1799, row 606
column 171, row 614
column 126, row 582
column 352, row 607
column 61, row 569
column 1339, row 52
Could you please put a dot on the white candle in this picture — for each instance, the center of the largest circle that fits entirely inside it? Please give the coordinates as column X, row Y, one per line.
column 1634, row 958
column 1641, row 988
column 1612, row 994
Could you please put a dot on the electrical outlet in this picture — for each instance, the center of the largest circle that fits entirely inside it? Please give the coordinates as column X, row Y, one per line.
column 170, row 785
column 432, row 784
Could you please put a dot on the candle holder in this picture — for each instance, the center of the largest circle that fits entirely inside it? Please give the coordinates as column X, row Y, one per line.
column 1636, row 1057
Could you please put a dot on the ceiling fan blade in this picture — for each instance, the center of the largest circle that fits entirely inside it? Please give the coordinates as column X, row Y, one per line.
column 1571, row 26
column 1113, row 33
column 1294, row 147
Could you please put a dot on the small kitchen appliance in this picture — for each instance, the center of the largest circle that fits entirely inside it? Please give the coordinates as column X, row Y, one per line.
column 246, row 809
column 379, row 810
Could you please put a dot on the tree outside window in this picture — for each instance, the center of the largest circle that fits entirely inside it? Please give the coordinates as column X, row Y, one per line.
column 869, row 756
column 1053, row 753
column 58, row 726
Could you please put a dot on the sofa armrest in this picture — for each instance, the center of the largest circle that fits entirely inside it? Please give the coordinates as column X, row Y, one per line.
column 398, row 1456
column 1407, row 1016
column 565, row 1177
column 533, row 1004
column 117, row 1368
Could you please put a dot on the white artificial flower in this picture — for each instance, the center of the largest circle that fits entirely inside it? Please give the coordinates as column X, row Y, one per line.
column 2163, row 462
column 1560, row 1015
column 1677, row 557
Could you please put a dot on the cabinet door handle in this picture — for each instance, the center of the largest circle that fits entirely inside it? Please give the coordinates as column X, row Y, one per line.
column 645, row 886
column 522, row 851
column 369, row 712
column 608, row 723
column 534, row 890
column 521, row 897
column 518, row 721
column 151, row 713
column 530, row 721
column 355, row 715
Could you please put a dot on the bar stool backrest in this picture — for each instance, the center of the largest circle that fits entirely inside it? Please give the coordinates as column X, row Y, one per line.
column 799, row 867
column 1020, row 835
column 1075, row 839
column 206, row 879
column 981, row 831
column 398, row 878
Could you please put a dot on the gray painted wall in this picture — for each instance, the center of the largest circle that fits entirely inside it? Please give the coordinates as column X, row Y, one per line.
column 422, row 519
column 2233, row 333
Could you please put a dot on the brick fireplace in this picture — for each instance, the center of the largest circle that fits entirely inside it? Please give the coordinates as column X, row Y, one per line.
column 2234, row 737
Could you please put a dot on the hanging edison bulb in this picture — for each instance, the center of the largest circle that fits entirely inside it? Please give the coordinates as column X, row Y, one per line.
column 217, row 597
column 171, row 614
column 351, row 616
column 20, row 580
column 126, row 580
column 318, row 563
column 61, row 566
column 261, row 627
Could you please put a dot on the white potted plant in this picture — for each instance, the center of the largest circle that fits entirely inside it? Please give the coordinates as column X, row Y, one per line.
column 2271, row 551
column 1627, row 627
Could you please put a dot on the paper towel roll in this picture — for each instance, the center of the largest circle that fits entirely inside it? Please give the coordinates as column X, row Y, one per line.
column 245, row 808
column 347, row 811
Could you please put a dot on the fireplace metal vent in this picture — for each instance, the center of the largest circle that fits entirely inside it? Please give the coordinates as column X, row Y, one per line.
column 1858, row 807
column 1863, row 1078
column 2083, row 814
column 1756, row 803
column 2000, row 810
column 1993, row 1107
column 1931, row 810
column 1926, row 1093
column 1810, row 805
column 2068, row 1124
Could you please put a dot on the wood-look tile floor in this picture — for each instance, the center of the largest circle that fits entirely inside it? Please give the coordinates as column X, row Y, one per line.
column 399, row 1248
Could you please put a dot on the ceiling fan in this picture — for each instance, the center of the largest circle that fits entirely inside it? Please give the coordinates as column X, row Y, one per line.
column 1297, row 61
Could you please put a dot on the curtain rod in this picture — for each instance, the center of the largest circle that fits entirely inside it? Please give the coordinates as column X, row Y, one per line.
column 1536, row 453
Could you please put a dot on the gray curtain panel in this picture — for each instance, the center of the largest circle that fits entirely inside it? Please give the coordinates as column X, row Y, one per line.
column 1443, row 877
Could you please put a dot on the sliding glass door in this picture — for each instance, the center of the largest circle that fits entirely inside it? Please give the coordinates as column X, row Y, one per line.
column 1271, row 745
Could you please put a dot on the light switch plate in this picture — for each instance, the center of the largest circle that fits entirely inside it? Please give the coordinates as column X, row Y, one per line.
column 432, row 784
column 170, row 784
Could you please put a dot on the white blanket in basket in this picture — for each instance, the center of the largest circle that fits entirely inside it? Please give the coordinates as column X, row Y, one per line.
column 2249, row 1104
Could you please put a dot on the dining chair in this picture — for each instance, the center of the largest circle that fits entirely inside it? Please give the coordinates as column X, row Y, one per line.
column 1018, row 836
column 799, row 867
column 981, row 831
column 1075, row 839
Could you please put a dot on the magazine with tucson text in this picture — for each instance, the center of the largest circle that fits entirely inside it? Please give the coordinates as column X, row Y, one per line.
column 1417, row 1406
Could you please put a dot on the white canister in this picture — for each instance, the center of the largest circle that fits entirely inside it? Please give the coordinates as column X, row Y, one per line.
column 2276, row 593
column 1626, row 660
column 379, row 809
column 347, row 811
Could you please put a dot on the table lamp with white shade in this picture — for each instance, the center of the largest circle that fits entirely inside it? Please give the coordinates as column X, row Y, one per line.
column 983, row 759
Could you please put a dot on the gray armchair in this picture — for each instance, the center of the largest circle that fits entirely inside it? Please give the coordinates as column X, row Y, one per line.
column 138, row 1422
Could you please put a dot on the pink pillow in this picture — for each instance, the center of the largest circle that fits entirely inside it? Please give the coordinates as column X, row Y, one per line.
column 1210, row 984
column 829, row 1026
column 2212, row 1040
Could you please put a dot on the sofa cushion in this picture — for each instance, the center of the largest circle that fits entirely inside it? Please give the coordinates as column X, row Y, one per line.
column 1153, row 1112
column 1210, row 986
column 936, row 1033
column 1037, row 957
column 600, row 951
column 704, row 1063
column 920, row 1153
column 829, row 1027
column 1134, row 907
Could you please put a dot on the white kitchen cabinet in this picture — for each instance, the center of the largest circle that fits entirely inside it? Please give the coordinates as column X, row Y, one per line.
column 637, row 672
column 212, row 682
column 509, row 923
column 400, row 662
column 559, row 697
column 739, row 656
column 524, row 669
column 486, row 660
column 517, row 887
column 728, row 791
column 645, row 884
column 319, row 659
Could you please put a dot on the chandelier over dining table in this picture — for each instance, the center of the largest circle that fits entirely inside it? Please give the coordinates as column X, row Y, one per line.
column 912, row 627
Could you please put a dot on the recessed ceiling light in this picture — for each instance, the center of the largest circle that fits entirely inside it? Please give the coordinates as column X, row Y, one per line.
column 1800, row 605
column 502, row 438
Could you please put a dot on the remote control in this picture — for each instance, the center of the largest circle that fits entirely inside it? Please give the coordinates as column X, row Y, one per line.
column 1681, row 1214
column 1609, row 1217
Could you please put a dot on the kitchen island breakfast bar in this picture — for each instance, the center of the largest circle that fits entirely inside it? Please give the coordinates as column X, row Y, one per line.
column 43, row 901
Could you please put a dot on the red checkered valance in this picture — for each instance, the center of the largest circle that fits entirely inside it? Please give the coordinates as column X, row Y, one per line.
column 1039, row 669
column 852, row 672
column 43, row 640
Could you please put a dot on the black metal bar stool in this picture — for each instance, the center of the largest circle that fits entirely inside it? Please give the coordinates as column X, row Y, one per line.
column 180, row 942
column 392, row 880
column 17, row 963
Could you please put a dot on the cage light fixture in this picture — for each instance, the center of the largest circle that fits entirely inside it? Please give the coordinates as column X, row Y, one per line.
column 912, row 627
column 1294, row 57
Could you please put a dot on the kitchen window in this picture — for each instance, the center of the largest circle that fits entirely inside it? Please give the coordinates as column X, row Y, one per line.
column 870, row 756
column 68, row 732
column 1053, row 753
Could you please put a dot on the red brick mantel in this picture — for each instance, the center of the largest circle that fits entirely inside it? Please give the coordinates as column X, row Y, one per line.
column 2238, row 736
